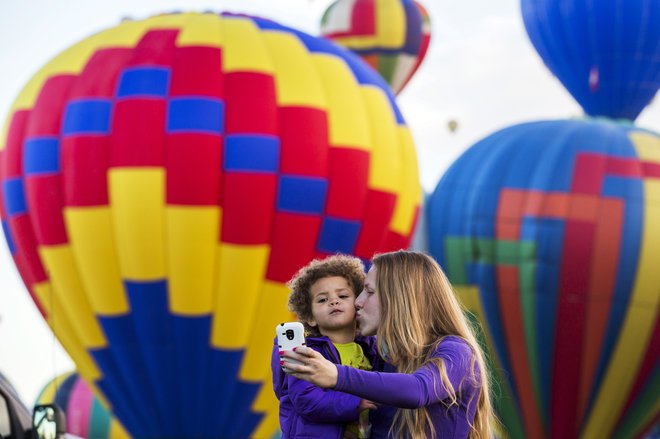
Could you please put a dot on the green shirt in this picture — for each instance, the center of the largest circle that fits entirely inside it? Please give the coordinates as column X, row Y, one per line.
column 351, row 354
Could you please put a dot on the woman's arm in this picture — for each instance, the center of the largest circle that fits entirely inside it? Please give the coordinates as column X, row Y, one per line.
column 421, row 388
column 402, row 390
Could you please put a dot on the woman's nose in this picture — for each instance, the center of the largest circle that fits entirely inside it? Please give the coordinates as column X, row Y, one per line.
column 359, row 301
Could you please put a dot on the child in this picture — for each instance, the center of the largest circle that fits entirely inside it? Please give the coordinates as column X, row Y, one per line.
column 323, row 296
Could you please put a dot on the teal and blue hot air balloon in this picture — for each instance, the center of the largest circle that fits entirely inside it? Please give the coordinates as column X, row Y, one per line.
column 550, row 232
column 605, row 52
column 86, row 415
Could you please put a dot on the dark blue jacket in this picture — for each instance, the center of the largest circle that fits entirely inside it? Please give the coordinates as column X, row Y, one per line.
column 307, row 411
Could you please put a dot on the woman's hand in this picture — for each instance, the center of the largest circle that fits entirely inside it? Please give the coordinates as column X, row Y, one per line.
column 365, row 404
column 313, row 367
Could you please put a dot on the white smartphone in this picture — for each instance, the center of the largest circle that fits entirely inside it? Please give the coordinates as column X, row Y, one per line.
column 289, row 336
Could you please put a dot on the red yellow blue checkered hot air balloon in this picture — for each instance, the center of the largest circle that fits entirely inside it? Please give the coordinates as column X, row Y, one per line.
column 86, row 415
column 550, row 232
column 390, row 35
column 163, row 179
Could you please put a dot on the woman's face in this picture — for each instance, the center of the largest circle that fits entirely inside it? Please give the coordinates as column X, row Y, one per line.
column 368, row 306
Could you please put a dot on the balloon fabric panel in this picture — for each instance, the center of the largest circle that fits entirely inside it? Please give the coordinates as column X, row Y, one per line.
column 161, row 180
column 79, row 412
column 560, row 253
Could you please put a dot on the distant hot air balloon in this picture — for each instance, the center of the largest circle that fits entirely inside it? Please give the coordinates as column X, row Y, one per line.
column 163, row 179
column 452, row 125
column 390, row 35
column 550, row 232
column 606, row 52
column 86, row 416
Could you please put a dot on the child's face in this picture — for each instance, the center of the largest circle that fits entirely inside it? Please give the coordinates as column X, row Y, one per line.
column 333, row 304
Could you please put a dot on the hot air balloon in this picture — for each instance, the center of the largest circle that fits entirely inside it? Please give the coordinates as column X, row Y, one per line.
column 86, row 415
column 390, row 35
column 606, row 52
column 164, row 178
column 549, row 230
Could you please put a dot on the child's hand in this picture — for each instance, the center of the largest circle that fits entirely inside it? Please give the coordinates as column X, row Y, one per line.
column 365, row 404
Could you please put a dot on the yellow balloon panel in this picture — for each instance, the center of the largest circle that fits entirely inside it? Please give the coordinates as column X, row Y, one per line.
column 348, row 121
column 137, row 203
column 239, row 278
column 93, row 247
column 192, row 234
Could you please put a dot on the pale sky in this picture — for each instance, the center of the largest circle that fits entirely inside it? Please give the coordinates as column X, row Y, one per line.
column 481, row 70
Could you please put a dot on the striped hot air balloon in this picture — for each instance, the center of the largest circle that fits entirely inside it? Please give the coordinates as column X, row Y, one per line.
column 392, row 36
column 163, row 179
column 550, row 232
column 86, row 415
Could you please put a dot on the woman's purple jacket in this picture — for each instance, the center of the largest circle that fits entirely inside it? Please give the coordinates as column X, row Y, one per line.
column 420, row 388
column 307, row 411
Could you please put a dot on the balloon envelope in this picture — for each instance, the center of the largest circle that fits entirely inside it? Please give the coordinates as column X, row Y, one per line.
column 163, row 179
column 605, row 52
column 549, row 230
column 392, row 36
column 86, row 416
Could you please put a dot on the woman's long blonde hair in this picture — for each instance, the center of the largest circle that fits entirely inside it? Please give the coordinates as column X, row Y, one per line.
column 418, row 307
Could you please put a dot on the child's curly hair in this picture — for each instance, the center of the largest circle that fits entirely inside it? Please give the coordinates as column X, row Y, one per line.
column 300, row 299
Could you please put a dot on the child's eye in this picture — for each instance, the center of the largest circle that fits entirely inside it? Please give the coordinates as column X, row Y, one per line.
column 320, row 301
column 344, row 296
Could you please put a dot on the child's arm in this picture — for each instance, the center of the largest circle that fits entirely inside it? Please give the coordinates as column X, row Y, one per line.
column 322, row 405
column 277, row 373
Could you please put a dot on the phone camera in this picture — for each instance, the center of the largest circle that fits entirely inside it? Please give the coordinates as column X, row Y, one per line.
column 289, row 334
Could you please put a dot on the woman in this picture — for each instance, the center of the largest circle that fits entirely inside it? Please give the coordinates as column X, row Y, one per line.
column 442, row 386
